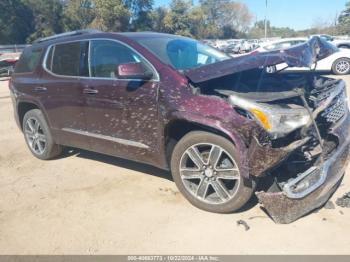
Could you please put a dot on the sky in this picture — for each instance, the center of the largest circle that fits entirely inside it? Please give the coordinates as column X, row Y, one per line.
column 296, row 14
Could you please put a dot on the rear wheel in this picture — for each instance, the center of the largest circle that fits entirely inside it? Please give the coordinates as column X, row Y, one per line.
column 341, row 66
column 206, row 169
column 38, row 136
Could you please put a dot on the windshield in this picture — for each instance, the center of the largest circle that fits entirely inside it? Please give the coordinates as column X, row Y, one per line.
column 182, row 53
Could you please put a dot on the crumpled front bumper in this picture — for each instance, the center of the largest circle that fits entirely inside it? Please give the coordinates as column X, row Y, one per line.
column 318, row 183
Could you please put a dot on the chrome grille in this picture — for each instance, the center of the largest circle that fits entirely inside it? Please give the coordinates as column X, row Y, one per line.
column 336, row 110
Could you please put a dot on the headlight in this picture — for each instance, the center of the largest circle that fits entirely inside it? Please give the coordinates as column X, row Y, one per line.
column 276, row 120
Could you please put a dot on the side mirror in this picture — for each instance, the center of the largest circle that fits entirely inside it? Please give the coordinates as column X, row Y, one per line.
column 133, row 71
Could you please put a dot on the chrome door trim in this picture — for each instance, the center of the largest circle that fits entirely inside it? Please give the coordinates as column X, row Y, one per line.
column 109, row 138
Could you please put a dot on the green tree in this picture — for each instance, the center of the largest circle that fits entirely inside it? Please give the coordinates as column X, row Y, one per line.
column 110, row 15
column 157, row 16
column 344, row 20
column 213, row 9
column 258, row 31
column 177, row 20
column 231, row 18
column 15, row 22
column 235, row 15
column 47, row 17
column 78, row 14
column 141, row 14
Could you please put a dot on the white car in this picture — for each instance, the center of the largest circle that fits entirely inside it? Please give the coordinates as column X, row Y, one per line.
column 340, row 43
column 338, row 63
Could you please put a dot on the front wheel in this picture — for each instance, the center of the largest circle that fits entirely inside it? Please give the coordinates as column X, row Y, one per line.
column 206, row 170
column 341, row 66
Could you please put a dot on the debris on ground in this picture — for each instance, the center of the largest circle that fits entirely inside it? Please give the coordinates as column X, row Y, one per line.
column 254, row 217
column 344, row 201
column 169, row 190
column 324, row 219
column 329, row 205
column 242, row 222
column 341, row 212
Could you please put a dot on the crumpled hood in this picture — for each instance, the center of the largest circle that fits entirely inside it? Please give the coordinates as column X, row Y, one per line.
column 304, row 55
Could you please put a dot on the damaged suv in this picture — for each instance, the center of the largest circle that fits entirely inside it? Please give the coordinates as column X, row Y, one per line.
column 220, row 124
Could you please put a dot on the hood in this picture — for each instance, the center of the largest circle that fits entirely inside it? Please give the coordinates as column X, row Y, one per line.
column 304, row 55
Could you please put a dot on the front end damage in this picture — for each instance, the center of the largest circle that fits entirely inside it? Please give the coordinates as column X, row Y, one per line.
column 302, row 168
column 301, row 147
column 306, row 175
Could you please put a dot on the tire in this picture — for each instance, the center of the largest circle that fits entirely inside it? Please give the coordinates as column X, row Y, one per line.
column 203, row 187
column 38, row 136
column 344, row 46
column 341, row 66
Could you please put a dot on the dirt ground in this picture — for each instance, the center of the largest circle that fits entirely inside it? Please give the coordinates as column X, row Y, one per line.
column 88, row 203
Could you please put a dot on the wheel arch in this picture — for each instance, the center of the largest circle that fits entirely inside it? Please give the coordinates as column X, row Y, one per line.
column 344, row 45
column 23, row 107
column 178, row 128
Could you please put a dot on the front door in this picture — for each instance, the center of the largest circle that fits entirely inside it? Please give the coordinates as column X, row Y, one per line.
column 121, row 114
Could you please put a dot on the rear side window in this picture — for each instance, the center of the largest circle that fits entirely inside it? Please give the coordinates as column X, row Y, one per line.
column 28, row 61
column 64, row 59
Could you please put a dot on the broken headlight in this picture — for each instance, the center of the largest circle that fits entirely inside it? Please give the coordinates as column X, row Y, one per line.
column 277, row 120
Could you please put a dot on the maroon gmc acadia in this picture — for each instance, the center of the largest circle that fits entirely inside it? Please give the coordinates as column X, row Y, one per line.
column 224, row 126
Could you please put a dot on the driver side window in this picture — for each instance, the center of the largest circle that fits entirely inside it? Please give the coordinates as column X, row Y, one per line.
column 105, row 56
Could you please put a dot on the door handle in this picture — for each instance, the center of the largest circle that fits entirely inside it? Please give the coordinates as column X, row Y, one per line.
column 40, row 89
column 90, row 91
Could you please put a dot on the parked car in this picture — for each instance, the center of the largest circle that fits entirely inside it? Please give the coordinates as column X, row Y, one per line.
column 234, row 48
column 218, row 123
column 6, row 67
column 340, row 43
column 338, row 63
column 246, row 46
column 254, row 44
column 279, row 44
column 6, row 49
column 7, row 63
column 221, row 44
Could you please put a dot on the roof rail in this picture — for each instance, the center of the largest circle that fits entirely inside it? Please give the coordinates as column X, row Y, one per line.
column 72, row 33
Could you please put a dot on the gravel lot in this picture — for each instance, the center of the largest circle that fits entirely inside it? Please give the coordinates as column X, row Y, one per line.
column 88, row 203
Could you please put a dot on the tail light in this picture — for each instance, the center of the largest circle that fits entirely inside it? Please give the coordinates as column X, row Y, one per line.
column 254, row 52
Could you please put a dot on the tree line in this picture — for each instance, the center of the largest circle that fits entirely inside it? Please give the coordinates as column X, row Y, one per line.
column 22, row 21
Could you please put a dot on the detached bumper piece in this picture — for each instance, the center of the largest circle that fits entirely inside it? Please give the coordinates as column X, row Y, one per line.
column 311, row 189
column 308, row 191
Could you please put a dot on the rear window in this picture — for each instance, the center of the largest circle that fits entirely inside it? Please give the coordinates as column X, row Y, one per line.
column 64, row 59
column 28, row 61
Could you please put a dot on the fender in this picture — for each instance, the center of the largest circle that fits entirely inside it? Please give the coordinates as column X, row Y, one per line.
column 220, row 127
column 21, row 98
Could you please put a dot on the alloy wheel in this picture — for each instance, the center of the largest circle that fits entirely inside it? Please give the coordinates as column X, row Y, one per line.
column 342, row 66
column 35, row 136
column 209, row 173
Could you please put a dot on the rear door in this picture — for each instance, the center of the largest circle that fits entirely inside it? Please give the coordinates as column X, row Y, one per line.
column 64, row 64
